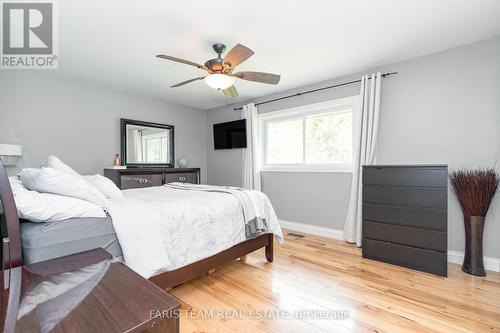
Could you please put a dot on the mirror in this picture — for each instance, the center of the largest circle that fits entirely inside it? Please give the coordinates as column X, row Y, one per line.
column 146, row 144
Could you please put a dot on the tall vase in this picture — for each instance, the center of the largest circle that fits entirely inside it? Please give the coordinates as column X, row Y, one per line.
column 473, row 260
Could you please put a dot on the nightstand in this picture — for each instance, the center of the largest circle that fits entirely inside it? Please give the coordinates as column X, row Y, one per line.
column 89, row 292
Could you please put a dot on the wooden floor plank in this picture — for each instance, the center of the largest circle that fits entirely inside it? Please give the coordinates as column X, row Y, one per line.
column 317, row 274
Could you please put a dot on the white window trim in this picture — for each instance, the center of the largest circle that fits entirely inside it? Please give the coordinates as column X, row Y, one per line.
column 325, row 168
column 310, row 109
column 147, row 137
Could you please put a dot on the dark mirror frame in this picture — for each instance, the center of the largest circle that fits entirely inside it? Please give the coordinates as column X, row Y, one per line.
column 124, row 122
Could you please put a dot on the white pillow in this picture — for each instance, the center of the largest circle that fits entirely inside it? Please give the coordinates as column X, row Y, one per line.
column 49, row 180
column 46, row 207
column 105, row 185
column 55, row 163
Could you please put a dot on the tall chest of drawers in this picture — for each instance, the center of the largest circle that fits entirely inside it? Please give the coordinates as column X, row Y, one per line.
column 147, row 177
column 405, row 216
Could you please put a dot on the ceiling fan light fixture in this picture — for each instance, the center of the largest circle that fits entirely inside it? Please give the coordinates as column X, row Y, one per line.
column 219, row 81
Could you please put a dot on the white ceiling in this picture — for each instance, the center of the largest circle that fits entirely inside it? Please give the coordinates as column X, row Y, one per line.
column 114, row 42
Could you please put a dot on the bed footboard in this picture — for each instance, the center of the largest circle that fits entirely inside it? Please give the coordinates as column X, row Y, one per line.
column 173, row 278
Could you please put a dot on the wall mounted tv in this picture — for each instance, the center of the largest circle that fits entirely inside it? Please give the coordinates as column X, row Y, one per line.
column 229, row 135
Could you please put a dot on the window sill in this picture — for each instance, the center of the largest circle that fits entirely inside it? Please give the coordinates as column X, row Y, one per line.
column 321, row 169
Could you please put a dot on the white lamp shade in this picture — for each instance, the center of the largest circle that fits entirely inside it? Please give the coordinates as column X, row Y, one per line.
column 11, row 150
column 9, row 154
column 219, row 81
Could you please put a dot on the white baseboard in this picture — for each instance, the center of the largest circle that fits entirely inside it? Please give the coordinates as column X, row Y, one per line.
column 490, row 264
column 313, row 229
column 456, row 257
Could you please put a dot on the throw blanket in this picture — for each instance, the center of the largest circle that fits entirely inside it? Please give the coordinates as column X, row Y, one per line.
column 162, row 228
column 253, row 214
column 137, row 228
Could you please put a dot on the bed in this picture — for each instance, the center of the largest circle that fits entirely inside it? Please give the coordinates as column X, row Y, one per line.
column 44, row 241
column 168, row 234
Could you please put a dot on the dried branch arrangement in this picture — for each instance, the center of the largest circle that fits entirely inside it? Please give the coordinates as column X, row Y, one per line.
column 475, row 189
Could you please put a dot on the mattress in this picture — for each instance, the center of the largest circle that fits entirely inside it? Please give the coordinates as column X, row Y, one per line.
column 43, row 241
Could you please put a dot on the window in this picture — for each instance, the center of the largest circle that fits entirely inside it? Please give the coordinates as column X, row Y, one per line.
column 155, row 147
column 317, row 137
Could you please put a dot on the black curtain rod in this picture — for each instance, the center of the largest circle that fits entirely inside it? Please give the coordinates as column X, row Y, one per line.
column 312, row 91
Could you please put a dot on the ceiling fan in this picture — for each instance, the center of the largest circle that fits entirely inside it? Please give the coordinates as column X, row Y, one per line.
column 220, row 70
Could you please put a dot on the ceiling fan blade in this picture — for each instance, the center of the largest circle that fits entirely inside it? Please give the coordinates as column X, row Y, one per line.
column 258, row 77
column 237, row 55
column 186, row 82
column 182, row 61
column 230, row 92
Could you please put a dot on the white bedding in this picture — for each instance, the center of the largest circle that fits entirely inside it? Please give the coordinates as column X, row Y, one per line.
column 47, row 207
column 56, row 181
column 162, row 228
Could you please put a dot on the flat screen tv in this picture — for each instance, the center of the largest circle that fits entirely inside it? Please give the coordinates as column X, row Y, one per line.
column 229, row 135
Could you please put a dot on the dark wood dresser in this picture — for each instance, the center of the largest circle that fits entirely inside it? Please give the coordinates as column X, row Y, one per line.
column 146, row 177
column 405, row 216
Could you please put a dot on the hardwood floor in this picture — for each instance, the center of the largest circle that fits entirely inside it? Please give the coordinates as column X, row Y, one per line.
column 318, row 275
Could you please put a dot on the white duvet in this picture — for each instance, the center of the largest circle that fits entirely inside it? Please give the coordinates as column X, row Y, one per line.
column 162, row 228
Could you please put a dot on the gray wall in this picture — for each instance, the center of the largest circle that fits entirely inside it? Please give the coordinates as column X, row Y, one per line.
column 80, row 123
column 440, row 108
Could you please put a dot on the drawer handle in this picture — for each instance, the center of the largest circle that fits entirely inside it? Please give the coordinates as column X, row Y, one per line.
column 142, row 181
column 182, row 179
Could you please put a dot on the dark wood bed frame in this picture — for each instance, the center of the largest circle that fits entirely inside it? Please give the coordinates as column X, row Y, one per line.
column 164, row 280
column 173, row 278
column 11, row 245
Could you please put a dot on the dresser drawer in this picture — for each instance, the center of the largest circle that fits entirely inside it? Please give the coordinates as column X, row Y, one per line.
column 181, row 177
column 405, row 196
column 138, row 181
column 425, row 260
column 406, row 176
column 426, row 239
column 420, row 218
